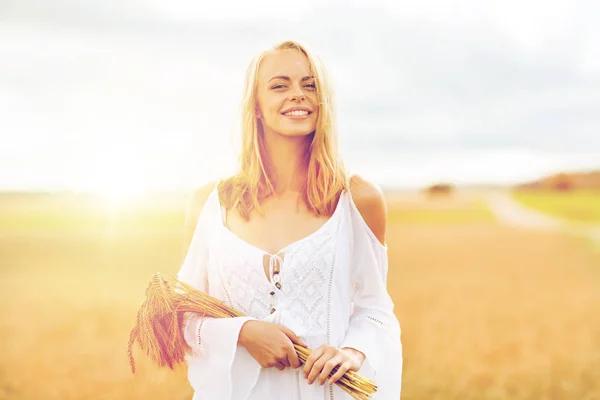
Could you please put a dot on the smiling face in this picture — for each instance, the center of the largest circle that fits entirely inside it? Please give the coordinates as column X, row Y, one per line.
column 286, row 94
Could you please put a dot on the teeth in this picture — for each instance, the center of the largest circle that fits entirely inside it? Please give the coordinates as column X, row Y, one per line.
column 296, row 113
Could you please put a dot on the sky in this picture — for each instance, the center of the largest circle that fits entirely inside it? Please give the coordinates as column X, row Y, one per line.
column 131, row 95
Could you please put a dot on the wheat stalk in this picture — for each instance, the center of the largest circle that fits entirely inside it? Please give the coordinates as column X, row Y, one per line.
column 158, row 329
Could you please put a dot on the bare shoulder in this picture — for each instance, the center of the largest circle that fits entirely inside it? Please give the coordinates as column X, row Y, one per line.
column 371, row 204
column 193, row 210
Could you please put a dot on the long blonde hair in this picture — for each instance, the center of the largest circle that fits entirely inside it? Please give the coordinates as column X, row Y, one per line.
column 326, row 175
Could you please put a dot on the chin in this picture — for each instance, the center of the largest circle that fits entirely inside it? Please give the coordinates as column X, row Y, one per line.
column 298, row 128
column 295, row 129
column 295, row 132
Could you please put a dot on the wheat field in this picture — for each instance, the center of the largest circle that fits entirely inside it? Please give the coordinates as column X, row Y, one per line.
column 487, row 311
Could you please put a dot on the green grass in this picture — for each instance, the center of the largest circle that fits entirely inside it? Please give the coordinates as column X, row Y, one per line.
column 578, row 206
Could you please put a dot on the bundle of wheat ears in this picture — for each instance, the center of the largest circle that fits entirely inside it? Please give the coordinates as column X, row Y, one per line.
column 158, row 329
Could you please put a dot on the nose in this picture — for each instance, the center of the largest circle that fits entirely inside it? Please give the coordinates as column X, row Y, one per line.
column 297, row 95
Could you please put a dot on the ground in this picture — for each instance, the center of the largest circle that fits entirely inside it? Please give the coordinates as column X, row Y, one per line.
column 488, row 310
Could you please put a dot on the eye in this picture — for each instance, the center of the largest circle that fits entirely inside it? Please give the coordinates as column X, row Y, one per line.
column 277, row 86
column 311, row 86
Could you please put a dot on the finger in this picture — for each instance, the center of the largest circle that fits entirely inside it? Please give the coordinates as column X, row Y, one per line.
column 317, row 368
column 314, row 356
column 284, row 360
column 290, row 334
column 342, row 369
column 328, row 367
column 280, row 366
column 293, row 357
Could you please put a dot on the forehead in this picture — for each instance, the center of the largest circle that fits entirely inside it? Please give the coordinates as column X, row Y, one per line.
column 290, row 63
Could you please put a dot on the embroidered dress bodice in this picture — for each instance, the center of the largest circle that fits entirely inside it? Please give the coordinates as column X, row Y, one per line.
column 297, row 281
column 328, row 287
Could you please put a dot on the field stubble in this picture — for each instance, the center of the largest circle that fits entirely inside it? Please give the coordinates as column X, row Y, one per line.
column 487, row 311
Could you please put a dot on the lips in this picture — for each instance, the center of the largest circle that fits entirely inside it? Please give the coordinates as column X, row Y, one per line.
column 297, row 112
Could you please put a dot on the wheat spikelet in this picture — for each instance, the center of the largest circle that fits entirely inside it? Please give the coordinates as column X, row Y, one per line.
column 159, row 323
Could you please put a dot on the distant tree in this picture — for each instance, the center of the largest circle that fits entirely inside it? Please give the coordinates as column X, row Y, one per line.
column 439, row 189
column 561, row 182
column 564, row 181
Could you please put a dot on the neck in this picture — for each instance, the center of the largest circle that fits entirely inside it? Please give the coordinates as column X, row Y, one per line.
column 287, row 156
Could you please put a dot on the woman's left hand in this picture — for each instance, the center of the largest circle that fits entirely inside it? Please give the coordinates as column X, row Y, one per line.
column 325, row 358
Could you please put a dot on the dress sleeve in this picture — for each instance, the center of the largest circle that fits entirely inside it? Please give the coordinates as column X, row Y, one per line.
column 373, row 329
column 213, row 341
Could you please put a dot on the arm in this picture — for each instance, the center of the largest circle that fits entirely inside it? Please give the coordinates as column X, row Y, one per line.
column 372, row 338
column 215, row 353
column 374, row 329
column 192, row 215
column 226, row 353
column 200, row 215
column 193, row 259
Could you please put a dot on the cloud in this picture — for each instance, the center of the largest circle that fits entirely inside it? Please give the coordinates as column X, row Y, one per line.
column 410, row 75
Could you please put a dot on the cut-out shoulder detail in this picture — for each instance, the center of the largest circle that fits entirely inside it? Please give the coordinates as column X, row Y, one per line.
column 368, row 199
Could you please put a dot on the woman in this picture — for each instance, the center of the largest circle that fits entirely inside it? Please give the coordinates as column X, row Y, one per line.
column 295, row 244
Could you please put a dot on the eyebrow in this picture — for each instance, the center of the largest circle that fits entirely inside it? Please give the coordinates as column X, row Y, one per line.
column 287, row 78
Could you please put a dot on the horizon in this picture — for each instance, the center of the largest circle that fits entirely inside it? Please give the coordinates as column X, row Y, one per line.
column 384, row 187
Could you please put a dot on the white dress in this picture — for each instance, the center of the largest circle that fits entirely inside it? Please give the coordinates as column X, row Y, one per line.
column 333, row 290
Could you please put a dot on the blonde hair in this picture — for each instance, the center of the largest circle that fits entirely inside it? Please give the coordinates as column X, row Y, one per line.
column 326, row 175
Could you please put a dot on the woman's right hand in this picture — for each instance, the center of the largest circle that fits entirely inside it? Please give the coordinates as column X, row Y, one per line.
column 272, row 345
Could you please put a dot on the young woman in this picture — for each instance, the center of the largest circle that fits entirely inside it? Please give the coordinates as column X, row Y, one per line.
column 294, row 243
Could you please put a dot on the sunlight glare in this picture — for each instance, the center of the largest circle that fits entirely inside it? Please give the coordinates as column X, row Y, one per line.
column 118, row 179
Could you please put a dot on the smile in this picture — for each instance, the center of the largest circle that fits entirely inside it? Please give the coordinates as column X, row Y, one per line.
column 297, row 114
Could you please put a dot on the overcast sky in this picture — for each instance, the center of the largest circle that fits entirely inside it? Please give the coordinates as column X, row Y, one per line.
column 101, row 93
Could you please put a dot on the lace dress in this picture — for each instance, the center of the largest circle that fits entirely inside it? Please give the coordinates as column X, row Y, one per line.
column 329, row 287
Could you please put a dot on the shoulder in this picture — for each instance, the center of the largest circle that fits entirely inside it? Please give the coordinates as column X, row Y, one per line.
column 193, row 210
column 370, row 202
column 197, row 201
